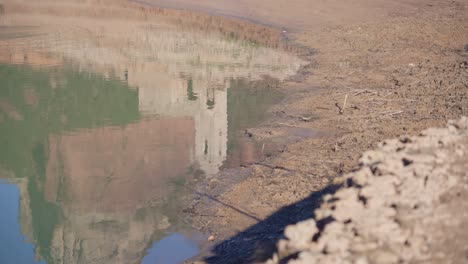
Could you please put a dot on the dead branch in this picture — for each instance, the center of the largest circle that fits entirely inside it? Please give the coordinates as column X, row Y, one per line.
column 344, row 102
column 285, row 124
column 305, row 119
column 342, row 108
column 358, row 92
column 395, row 113
column 391, row 112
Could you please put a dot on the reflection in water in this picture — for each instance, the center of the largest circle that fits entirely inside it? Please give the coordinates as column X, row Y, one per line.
column 13, row 248
column 104, row 121
column 163, row 250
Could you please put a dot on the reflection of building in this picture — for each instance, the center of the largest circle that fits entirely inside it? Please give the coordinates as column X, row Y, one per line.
column 118, row 169
column 105, row 178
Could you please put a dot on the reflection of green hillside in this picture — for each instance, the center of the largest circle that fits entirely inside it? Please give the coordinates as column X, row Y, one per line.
column 59, row 100
column 45, row 217
column 64, row 100
column 247, row 105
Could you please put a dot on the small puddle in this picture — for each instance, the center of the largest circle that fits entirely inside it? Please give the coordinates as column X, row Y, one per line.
column 107, row 119
column 173, row 249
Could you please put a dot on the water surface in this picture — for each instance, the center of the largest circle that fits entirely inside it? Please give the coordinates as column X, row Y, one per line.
column 107, row 120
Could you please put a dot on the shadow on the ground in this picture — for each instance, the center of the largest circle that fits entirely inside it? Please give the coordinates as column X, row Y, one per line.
column 258, row 242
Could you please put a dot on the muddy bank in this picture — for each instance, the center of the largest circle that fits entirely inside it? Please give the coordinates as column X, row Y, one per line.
column 406, row 204
column 373, row 79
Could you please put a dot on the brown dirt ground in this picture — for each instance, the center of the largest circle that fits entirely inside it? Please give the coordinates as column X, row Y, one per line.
column 401, row 65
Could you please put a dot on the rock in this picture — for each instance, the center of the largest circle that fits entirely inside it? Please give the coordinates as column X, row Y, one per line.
column 385, row 211
column 382, row 256
column 301, row 234
column 164, row 223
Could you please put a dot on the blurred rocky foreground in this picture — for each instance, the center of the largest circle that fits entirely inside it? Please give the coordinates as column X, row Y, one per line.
column 407, row 203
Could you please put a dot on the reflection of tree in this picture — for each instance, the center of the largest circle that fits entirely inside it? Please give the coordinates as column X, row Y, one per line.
column 79, row 102
column 192, row 96
column 45, row 217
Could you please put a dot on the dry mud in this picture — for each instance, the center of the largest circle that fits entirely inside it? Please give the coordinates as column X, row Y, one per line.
column 369, row 79
column 406, row 204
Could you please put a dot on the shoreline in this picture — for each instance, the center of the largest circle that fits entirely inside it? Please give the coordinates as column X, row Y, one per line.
column 392, row 87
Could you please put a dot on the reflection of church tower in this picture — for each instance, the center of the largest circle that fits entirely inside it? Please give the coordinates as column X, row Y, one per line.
column 201, row 99
column 211, row 127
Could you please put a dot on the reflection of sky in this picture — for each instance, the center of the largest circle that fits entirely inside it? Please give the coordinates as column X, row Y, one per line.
column 172, row 249
column 13, row 248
